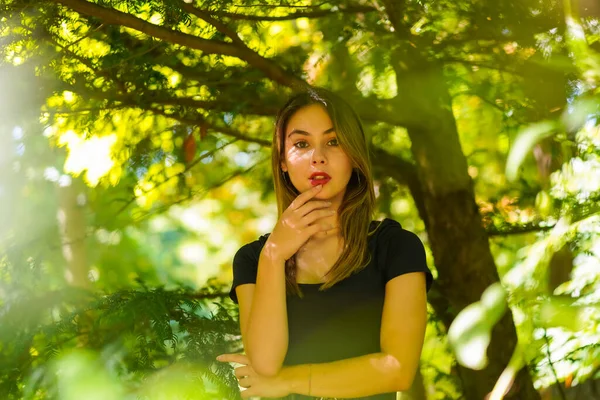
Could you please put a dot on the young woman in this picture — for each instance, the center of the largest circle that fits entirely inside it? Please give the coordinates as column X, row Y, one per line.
column 332, row 304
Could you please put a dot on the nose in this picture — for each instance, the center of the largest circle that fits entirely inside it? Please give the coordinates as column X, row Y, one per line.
column 318, row 157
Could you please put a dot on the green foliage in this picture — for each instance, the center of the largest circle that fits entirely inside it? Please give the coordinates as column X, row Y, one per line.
column 576, row 193
column 160, row 129
column 133, row 333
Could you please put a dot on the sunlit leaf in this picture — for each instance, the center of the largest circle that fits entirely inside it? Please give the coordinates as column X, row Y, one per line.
column 470, row 332
column 523, row 144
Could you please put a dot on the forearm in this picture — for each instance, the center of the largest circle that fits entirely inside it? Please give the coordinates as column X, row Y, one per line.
column 267, row 332
column 353, row 377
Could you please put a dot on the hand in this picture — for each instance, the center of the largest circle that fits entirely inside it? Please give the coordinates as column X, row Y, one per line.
column 298, row 223
column 255, row 384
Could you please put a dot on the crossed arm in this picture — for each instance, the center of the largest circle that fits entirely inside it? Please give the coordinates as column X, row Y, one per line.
column 393, row 369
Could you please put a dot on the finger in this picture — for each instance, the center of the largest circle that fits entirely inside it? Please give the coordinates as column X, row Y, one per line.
column 306, row 196
column 244, row 382
column 316, row 215
column 252, row 395
column 311, row 206
column 237, row 358
column 319, row 227
column 242, row 371
column 246, row 394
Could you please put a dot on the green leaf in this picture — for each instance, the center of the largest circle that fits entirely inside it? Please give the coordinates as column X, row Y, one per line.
column 524, row 142
column 470, row 332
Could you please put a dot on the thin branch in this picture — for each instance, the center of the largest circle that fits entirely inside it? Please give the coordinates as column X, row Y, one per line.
column 560, row 388
column 87, row 110
column 222, row 129
column 227, row 131
column 88, row 34
column 167, row 179
column 267, row 5
column 216, row 105
column 202, row 192
column 516, row 229
column 112, row 16
column 488, row 102
column 220, row 26
column 291, row 16
column 85, row 61
column 402, row 171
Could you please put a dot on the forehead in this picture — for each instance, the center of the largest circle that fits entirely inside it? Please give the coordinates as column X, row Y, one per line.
column 313, row 119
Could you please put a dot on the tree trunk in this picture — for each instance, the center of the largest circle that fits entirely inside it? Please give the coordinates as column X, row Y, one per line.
column 457, row 238
column 72, row 223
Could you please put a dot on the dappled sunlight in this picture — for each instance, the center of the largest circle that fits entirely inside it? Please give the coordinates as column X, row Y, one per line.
column 92, row 155
column 385, row 363
column 135, row 153
column 208, row 255
column 383, row 85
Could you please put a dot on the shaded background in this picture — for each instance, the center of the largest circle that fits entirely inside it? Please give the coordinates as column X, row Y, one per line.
column 135, row 160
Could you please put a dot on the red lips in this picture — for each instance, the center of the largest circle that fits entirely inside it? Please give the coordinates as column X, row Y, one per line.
column 322, row 181
column 320, row 174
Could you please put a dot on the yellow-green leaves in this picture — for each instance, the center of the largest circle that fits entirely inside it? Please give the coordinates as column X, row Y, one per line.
column 561, row 312
column 587, row 61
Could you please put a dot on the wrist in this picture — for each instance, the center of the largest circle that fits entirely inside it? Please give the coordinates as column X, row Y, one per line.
column 296, row 378
column 270, row 252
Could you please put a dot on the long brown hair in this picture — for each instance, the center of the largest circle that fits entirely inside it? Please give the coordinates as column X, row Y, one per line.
column 358, row 205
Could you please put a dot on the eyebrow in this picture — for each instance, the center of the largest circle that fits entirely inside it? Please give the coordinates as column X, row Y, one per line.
column 301, row 132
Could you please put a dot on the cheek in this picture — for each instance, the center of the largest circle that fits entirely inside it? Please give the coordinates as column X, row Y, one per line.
column 343, row 161
column 297, row 157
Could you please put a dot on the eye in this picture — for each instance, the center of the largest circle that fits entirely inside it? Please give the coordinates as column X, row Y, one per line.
column 302, row 141
column 297, row 143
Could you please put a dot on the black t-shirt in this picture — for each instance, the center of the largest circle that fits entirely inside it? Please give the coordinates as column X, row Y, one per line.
column 343, row 321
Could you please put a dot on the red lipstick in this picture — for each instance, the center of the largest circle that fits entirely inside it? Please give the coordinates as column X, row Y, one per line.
column 319, row 178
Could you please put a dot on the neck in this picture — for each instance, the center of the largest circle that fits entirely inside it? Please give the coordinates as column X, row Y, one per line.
column 324, row 237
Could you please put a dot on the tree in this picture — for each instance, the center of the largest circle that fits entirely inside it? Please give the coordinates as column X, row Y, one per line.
column 176, row 82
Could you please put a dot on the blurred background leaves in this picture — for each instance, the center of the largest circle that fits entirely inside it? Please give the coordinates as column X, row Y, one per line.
column 134, row 162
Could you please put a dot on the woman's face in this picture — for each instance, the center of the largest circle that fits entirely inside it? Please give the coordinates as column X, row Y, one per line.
column 311, row 146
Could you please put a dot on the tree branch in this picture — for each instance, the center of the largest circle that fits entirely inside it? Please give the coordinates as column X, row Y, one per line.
column 291, row 16
column 215, row 105
column 202, row 192
column 112, row 16
column 402, row 171
column 225, row 130
column 514, row 229
column 370, row 109
column 221, row 27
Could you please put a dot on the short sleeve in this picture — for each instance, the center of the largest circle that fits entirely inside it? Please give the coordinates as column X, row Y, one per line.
column 245, row 268
column 403, row 252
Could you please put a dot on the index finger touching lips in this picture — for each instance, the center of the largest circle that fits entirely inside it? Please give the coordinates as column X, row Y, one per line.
column 306, row 196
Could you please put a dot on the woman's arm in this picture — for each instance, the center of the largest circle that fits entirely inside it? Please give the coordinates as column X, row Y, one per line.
column 263, row 316
column 353, row 377
column 393, row 369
